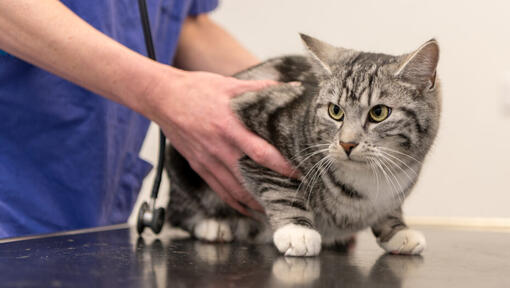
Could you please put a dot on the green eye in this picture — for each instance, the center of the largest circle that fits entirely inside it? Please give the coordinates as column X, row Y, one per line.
column 378, row 113
column 336, row 112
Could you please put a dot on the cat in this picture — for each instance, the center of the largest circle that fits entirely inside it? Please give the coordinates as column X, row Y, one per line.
column 357, row 127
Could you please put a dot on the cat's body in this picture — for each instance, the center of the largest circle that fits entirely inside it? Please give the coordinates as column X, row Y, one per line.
column 356, row 172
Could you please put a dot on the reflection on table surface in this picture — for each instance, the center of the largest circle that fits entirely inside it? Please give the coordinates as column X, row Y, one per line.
column 199, row 264
column 119, row 258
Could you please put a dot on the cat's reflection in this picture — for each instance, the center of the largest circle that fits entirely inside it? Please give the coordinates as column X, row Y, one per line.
column 211, row 253
column 293, row 270
column 193, row 263
column 388, row 271
column 394, row 269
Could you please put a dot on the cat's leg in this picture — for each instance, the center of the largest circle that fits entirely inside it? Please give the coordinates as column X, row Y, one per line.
column 292, row 223
column 213, row 230
column 188, row 214
column 200, row 224
column 395, row 237
column 200, row 212
column 209, row 219
column 193, row 206
column 287, row 211
column 344, row 244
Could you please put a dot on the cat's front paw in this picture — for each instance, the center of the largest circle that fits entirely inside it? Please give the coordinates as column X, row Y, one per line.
column 407, row 241
column 213, row 231
column 297, row 240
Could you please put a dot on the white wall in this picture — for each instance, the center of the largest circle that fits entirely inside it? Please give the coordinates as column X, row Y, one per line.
column 468, row 171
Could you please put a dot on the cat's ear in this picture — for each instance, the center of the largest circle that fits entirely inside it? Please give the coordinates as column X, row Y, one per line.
column 323, row 53
column 420, row 66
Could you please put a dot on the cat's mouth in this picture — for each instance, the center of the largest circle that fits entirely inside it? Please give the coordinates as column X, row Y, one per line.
column 355, row 160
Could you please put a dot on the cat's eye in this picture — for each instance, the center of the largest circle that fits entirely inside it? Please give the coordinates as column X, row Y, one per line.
column 378, row 113
column 336, row 112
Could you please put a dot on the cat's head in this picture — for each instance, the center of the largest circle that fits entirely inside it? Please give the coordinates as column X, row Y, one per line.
column 376, row 110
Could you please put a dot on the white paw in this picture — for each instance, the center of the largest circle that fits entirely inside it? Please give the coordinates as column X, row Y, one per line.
column 213, row 231
column 296, row 240
column 407, row 241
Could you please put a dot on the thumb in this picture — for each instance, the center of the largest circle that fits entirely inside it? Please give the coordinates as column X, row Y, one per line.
column 253, row 85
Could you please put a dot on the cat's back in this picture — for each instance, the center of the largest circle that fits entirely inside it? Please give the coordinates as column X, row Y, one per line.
column 282, row 69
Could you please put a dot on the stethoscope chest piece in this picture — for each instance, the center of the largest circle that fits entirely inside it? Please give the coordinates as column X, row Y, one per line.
column 152, row 218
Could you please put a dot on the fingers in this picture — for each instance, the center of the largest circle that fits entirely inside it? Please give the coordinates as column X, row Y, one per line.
column 234, row 187
column 222, row 192
column 254, row 85
column 229, row 188
column 243, row 86
column 230, row 156
column 260, row 151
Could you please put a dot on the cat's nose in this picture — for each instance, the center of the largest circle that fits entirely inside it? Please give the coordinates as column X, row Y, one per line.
column 348, row 146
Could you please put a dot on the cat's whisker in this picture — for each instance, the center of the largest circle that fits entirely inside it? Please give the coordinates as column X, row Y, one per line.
column 387, row 177
column 310, row 184
column 331, row 163
column 373, row 167
column 396, row 165
column 311, row 170
column 298, row 154
column 398, row 152
column 374, row 173
column 378, row 165
column 399, row 160
column 308, row 147
column 317, row 169
column 324, row 169
column 392, row 173
column 389, row 181
column 309, row 155
column 304, row 179
column 401, row 192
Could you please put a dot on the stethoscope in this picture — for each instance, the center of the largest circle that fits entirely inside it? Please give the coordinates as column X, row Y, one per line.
column 149, row 215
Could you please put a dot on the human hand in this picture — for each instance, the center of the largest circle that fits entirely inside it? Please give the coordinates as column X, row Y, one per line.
column 193, row 109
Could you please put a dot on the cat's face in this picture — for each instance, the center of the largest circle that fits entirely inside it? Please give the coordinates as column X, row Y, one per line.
column 377, row 110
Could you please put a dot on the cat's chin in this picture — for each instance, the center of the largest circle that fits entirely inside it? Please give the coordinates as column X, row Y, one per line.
column 355, row 163
column 350, row 167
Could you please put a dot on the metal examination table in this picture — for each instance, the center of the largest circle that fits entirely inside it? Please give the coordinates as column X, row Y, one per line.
column 116, row 257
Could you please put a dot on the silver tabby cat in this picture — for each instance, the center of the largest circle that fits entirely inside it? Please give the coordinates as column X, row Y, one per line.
column 357, row 128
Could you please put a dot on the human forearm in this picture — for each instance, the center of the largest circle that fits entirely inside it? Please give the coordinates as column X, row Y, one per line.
column 204, row 45
column 47, row 34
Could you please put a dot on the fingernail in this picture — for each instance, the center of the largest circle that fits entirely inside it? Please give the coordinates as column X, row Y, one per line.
column 295, row 83
column 256, row 207
column 293, row 172
column 296, row 174
column 260, row 209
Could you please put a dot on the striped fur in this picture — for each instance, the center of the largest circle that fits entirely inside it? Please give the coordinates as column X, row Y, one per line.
column 337, row 195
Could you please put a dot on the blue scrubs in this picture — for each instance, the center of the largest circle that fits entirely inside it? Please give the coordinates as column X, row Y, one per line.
column 68, row 157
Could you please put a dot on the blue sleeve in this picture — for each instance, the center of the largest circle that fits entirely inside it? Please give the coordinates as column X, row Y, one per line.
column 202, row 6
